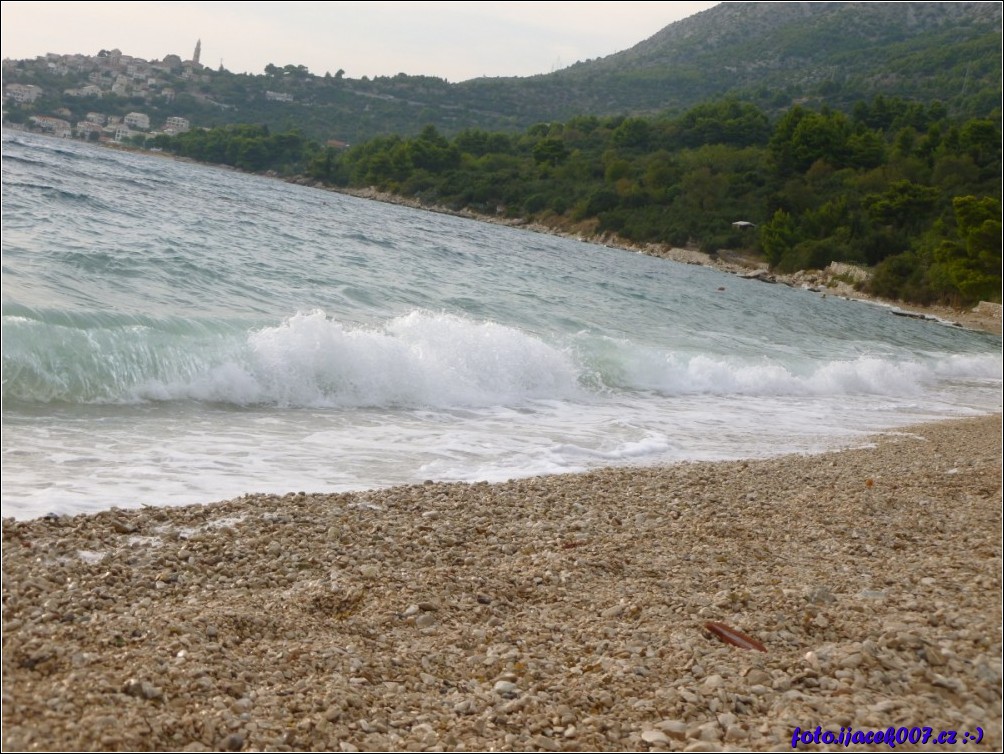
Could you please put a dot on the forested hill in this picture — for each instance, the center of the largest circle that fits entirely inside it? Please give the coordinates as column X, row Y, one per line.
column 774, row 55
column 777, row 54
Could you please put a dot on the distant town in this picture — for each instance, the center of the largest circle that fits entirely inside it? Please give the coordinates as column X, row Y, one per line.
column 109, row 75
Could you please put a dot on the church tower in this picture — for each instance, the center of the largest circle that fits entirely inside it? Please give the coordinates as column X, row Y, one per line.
column 197, row 53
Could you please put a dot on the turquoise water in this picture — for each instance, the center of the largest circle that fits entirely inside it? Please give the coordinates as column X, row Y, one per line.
column 175, row 333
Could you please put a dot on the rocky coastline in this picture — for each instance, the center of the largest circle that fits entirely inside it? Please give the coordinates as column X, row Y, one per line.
column 835, row 280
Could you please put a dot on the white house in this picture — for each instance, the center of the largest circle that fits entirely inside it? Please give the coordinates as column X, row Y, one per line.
column 176, row 125
column 140, row 121
column 55, row 126
column 89, row 90
column 23, row 92
column 121, row 86
column 85, row 128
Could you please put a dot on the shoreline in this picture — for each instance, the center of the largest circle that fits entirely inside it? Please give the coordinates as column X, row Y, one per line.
column 987, row 317
column 558, row 613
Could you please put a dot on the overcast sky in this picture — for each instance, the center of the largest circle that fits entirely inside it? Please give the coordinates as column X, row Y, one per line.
column 452, row 40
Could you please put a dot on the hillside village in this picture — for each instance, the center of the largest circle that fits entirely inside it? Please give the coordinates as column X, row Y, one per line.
column 775, row 56
column 108, row 77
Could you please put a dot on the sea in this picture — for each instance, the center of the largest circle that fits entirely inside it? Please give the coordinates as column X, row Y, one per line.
column 176, row 333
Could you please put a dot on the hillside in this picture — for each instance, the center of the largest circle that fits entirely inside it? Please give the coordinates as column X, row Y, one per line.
column 778, row 54
column 771, row 54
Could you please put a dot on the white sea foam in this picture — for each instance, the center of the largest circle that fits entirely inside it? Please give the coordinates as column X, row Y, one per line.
column 421, row 359
column 427, row 359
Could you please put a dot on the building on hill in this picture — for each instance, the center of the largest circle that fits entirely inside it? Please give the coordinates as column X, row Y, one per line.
column 140, row 121
column 89, row 90
column 23, row 93
column 55, row 126
column 176, row 125
column 89, row 130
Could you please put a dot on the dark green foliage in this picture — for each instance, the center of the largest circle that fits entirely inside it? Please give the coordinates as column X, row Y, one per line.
column 897, row 186
column 902, row 276
column 969, row 268
column 777, row 237
column 738, row 124
column 252, row 148
column 550, row 151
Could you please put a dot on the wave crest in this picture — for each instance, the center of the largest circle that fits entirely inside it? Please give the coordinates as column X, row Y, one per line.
column 418, row 360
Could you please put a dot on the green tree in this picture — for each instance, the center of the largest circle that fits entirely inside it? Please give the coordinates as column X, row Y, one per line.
column 969, row 269
column 777, row 237
column 550, row 151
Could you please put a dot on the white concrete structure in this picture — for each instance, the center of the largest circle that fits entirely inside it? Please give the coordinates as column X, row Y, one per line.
column 139, row 121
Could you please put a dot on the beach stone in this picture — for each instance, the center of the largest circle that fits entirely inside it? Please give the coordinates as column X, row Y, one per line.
column 123, row 526
column 727, row 719
column 781, row 683
column 505, row 689
column 515, row 705
column 758, row 677
column 711, row 684
column 675, row 729
column 703, row 746
column 851, row 661
column 707, row 731
column 233, row 742
column 933, row 655
column 872, row 594
column 735, row 733
column 655, row 737
column 545, row 743
column 242, row 705
column 820, row 595
column 141, row 689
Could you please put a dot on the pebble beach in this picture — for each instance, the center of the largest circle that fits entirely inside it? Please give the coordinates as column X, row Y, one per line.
column 558, row 613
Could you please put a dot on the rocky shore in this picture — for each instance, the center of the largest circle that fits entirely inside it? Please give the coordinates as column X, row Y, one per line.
column 837, row 279
column 562, row 613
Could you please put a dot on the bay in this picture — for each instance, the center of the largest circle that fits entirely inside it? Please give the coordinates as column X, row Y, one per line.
column 175, row 333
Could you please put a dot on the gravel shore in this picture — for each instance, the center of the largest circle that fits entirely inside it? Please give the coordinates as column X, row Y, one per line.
column 559, row 613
